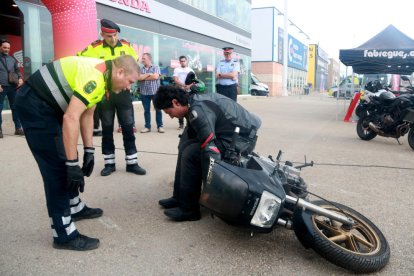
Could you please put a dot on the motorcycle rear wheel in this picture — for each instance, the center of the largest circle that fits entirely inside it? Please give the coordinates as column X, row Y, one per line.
column 365, row 133
column 411, row 138
column 362, row 248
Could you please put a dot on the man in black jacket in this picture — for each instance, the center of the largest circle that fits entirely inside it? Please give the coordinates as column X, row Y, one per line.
column 212, row 120
column 9, row 64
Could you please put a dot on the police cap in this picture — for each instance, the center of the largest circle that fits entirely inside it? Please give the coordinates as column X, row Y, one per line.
column 228, row 49
column 107, row 26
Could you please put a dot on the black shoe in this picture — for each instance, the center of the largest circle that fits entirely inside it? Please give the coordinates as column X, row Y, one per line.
column 19, row 131
column 168, row 203
column 80, row 243
column 135, row 168
column 178, row 214
column 108, row 170
column 87, row 213
column 97, row 133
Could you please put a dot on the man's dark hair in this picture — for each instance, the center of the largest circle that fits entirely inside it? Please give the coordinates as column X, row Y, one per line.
column 184, row 57
column 165, row 94
column 4, row 41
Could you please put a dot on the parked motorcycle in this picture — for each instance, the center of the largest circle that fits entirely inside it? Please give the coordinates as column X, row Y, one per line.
column 384, row 114
column 261, row 193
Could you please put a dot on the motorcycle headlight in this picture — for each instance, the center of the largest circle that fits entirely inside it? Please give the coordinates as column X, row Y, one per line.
column 267, row 210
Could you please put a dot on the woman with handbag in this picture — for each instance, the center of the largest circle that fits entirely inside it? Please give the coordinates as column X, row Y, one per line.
column 10, row 80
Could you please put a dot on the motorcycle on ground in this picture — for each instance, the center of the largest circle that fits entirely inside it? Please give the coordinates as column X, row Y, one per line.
column 261, row 193
column 382, row 113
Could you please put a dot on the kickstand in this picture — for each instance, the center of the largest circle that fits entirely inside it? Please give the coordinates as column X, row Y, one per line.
column 398, row 141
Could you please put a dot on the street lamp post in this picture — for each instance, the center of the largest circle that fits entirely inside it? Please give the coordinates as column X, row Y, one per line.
column 285, row 51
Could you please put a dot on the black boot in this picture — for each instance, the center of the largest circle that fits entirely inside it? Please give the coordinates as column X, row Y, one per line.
column 135, row 168
column 87, row 213
column 168, row 203
column 179, row 214
column 80, row 243
column 109, row 168
column 97, row 132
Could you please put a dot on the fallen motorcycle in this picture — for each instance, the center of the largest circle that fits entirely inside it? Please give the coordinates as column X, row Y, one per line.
column 385, row 115
column 262, row 193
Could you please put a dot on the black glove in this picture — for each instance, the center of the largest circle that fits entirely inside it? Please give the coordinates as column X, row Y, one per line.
column 88, row 161
column 232, row 157
column 74, row 176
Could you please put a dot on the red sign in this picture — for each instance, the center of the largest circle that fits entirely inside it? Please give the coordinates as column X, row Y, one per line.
column 135, row 4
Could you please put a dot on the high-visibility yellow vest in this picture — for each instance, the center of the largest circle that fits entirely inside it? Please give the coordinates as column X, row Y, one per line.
column 99, row 49
column 81, row 77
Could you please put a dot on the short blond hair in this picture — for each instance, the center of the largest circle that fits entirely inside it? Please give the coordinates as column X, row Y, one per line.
column 126, row 62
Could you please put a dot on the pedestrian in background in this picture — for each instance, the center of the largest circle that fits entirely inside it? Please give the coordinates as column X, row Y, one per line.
column 149, row 82
column 227, row 73
column 10, row 80
column 109, row 48
column 179, row 76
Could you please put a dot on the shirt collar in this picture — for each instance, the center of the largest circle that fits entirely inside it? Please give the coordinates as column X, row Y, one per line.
column 118, row 44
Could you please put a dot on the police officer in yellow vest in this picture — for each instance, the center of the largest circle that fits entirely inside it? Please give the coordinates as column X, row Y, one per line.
column 55, row 104
column 109, row 48
column 227, row 72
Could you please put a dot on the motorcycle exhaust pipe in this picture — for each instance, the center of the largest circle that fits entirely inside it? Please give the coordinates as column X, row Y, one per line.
column 380, row 132
column 319, row 210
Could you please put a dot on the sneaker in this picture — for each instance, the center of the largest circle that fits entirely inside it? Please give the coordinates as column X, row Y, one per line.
column 178, row 214
column 108, row 170
column 119, row 130
column 80, row 243
column 161, row 130
column 19, row 131
column 87, row 213
column 135, row 168
column 168, row 203
column 1, row 134
column 181, row 127
column 145, row 130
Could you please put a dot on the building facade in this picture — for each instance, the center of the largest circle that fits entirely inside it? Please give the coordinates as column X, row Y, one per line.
column 167, row 29
column 267, row 52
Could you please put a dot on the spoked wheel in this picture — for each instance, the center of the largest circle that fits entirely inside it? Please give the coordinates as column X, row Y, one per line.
column 361, row 248
column 363, row 130
column 411, row 137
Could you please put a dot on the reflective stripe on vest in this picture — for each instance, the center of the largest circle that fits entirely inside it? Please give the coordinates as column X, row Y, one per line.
column 53, row 86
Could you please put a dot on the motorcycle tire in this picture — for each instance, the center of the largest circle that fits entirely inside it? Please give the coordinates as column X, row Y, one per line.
column 364, row 133
column 411, row 138
column 361, row 248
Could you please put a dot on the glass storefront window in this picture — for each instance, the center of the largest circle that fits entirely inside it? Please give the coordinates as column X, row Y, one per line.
column 38, row 36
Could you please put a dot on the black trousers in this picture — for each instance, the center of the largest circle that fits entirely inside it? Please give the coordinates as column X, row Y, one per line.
column 188, row 173
column 120, row 104
column 229, row 91
column 43, row 132
column 96, row 116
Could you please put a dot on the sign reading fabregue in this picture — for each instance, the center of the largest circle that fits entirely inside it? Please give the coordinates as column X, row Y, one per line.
column 135, row 4
column 388, row 54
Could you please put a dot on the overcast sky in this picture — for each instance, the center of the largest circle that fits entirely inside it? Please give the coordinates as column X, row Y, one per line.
column 345, row 24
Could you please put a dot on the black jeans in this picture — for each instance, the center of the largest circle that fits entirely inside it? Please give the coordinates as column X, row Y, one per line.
column 10, row 92
column 188, row 173
column 121, row 104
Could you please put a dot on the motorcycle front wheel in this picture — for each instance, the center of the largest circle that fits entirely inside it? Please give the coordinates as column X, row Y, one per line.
column 361, row 248
column 411, row 137
column 363, row 131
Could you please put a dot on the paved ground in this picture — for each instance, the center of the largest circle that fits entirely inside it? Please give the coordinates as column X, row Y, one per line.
column 137, row 239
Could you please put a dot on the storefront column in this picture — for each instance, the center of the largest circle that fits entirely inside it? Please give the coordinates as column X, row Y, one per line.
column 74, row 25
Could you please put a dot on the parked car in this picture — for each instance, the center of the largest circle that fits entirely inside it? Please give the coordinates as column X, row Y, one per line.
column 257, row 88
column 345, row 88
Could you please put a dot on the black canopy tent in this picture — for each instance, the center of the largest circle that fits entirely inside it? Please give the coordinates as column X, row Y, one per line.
column 389, row 52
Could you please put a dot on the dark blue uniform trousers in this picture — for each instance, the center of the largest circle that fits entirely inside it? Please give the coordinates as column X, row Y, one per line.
column 43, row 132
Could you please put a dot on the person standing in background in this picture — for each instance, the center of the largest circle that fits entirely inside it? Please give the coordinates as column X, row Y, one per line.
column 109, row 48
column 149, row 82
column 9, row 64
column 227, row 73
column 179, row 76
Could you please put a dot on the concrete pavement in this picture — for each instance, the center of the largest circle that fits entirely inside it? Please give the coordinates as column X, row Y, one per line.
column 372, row 177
